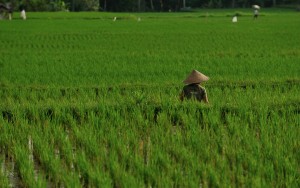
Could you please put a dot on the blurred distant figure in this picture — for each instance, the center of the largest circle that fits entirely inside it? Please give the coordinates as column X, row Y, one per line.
column 22, row 10
column 23, row 14
column 256, row 8
column 255, row 14
column 6, row 10
column 193, row 89
column 234, row 19
column 10, row 15
column 10, row 11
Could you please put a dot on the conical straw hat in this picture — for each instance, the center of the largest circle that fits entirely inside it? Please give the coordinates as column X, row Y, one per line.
column 255, row 6
column 195, row 77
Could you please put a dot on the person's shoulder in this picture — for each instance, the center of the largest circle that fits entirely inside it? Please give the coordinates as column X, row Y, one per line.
column 194, row 87
column 190, row 86
column 202, row 88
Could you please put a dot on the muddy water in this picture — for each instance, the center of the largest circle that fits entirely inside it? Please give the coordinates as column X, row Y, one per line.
column 8, row 169
column 36, row 167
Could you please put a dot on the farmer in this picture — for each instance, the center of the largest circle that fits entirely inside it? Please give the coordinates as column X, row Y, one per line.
column 193, row 89
column 22, row 11
column 8, row 10
column 234, row 19
column 255, row 14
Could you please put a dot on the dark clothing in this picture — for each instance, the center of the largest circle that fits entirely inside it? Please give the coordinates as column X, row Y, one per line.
column 4, row 7
column 193, row 91
column 21, row 7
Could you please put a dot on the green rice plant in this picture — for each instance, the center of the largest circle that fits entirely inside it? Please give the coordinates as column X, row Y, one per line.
column 89, row 175
column 26, row 168
column 223, row 52
column 51, row 162
column 100, row 99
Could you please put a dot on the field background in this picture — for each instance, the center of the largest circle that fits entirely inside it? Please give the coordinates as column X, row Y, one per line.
column 86, row 101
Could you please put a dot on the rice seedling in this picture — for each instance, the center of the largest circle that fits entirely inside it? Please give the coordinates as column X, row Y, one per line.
column 86, row 101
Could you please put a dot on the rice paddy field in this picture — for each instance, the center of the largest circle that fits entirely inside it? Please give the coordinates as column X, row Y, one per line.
column 91, row 102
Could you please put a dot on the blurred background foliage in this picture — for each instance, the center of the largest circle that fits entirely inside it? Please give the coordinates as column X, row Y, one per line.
column 143, row 5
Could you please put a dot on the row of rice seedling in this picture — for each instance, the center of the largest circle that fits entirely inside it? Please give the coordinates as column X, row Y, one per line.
column 81, row 52
column 90, row 102
column 44, row 100
column 185, row 143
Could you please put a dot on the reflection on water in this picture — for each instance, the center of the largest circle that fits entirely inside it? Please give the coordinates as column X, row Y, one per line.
column 145, row 149
column 9, row 170
column 36, row 168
